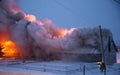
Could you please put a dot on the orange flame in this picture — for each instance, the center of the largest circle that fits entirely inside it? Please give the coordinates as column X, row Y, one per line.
column 65, row 32
column 62, row 32
column 9, row 49
column 30, row 18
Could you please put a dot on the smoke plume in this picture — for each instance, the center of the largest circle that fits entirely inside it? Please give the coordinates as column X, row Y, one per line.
column 41, row 39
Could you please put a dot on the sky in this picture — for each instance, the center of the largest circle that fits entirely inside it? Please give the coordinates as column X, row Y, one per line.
column 77, row 13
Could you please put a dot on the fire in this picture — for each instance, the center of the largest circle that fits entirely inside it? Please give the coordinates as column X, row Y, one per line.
column 9, row 49
column 62, row 33
column 30, row 18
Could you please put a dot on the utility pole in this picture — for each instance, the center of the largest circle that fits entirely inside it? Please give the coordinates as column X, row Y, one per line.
column 102, row 64
column 83, row 69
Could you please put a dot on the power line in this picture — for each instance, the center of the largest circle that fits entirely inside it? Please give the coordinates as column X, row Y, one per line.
column 65, row 7
column 61, row 4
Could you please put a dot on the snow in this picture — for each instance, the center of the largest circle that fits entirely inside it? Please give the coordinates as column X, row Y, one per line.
column 17, row 68
column 22, row 73
column 54, row 68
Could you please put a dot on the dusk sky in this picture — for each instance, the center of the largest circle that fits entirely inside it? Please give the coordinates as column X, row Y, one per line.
column 77, row 13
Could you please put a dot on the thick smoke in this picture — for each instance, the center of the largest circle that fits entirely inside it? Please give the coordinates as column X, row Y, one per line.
column 41, row 39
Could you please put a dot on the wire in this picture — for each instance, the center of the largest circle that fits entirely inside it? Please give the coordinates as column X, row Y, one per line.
column 67, row 8
column 61, row 4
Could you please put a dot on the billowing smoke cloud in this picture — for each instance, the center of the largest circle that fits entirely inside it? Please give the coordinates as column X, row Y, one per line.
column 41, row 39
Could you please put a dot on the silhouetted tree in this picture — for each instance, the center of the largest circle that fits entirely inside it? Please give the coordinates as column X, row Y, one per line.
column 1, row 53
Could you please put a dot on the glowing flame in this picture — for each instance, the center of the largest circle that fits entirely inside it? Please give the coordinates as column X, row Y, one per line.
column 30, row 18
column 62, row 32
column 9, row 49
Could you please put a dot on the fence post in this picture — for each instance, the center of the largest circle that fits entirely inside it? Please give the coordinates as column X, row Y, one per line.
column 44, row 68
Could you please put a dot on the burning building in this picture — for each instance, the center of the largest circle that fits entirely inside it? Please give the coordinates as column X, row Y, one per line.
column 90, row 48
column 24, row 37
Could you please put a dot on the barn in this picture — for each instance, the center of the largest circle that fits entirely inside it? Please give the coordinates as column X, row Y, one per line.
column 91, row 52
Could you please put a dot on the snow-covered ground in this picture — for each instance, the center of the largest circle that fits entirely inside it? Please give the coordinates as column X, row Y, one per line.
column 53, row 68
